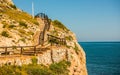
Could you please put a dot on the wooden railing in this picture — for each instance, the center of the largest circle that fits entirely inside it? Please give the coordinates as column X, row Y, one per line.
column 56, row 40
column 6, row 50
column 47, row 22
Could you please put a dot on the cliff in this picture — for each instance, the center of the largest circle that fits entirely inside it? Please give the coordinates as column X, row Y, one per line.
column 56, row 42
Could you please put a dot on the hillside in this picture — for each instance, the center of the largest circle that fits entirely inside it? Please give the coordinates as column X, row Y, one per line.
column 53, row 42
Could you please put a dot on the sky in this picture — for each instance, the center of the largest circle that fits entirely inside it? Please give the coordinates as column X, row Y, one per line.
column 90, row 20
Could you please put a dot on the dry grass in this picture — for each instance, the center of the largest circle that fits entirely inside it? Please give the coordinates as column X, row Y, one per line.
column 18, row 15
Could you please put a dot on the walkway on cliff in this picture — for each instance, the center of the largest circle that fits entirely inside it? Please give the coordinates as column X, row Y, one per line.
column 34, row 50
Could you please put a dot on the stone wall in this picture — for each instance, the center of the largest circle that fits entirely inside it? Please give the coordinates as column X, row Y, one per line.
column 47, row 58
column 18, row 61
column 52, row 56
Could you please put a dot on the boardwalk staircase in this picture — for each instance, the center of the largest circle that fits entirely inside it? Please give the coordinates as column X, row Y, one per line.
column 40, row 48
column 45, row 27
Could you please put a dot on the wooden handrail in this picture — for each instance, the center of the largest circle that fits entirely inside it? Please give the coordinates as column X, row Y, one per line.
column 21, row 49
column 15, row 46
column 61, row 41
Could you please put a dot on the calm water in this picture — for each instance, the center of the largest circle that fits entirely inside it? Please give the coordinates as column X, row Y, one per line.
column 103, row 58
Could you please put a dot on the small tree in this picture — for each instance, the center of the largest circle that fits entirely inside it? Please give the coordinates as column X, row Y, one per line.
column 5, row 34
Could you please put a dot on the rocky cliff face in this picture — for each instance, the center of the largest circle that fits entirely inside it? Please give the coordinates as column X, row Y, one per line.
column 73, row 52
column 17, row 28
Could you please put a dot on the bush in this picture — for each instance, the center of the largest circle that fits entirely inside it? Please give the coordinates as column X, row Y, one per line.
column 4, row 26
column 69, row 38
column 22, row 39
column 22, row 31
column 38, row 70
column 11, row 70
column 5, row 34
column 11, row 26
column 59, row 24
column 54, row 69
column 30, row 33
column 21, row 23
column 36, row 23
column 76, row 49
column 60, row 68
column 34, row 60
column 13, row 6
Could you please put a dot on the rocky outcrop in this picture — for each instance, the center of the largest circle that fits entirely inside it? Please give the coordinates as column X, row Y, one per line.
column 78, row 61
column 16, row 27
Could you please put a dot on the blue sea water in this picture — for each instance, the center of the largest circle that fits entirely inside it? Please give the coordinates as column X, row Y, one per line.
column 103, row 58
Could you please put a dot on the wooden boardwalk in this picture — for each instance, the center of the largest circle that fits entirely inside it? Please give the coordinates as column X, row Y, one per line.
column 33, row 50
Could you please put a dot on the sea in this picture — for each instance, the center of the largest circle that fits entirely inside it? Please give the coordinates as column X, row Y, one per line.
column 103, row 58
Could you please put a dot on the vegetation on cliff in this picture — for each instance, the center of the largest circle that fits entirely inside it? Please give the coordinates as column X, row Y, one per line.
column 34, row 69
column 16, row 25
column 58, row 24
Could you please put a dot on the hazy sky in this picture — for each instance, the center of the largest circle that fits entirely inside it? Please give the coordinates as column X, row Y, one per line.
column 91, row 20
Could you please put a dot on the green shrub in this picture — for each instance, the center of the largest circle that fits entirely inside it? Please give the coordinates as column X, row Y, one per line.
column 10, row 70
column 54, row 69
column 68, row 46
column 58, row 24
column 36, row 23
column 22, row 39
column 22, row 31
column 76, row 49
column 69, row 38
column 34, row 60
column 30, row 33
column 13, row 6
column 4, row 26
column 11, row 26
column 5, row 34
column 39, row 70
column 60, row 68
column 21, row 23
column 68, row 63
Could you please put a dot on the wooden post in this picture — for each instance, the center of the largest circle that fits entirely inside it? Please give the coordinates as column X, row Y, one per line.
column 52, row 56
column 61, row 41
column 67, row 54
column 21, row 50
column 5, row 51
column 48, row 38
column 65, row 42
column 35, row 50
